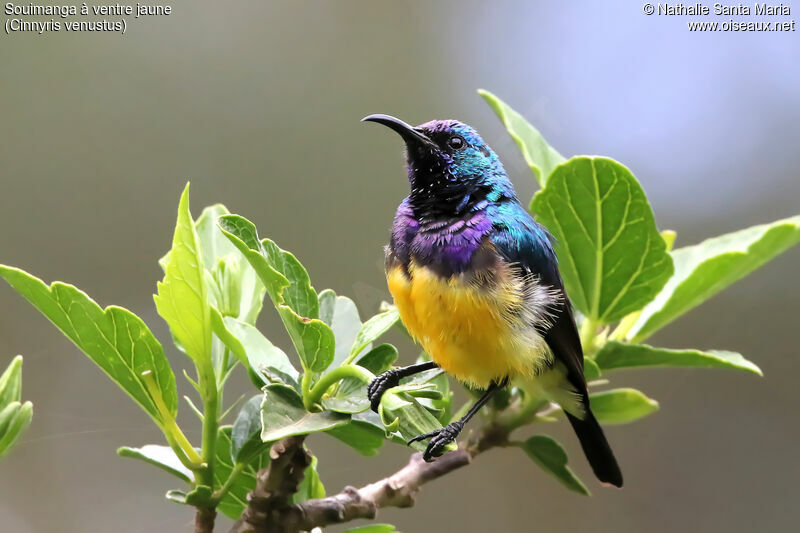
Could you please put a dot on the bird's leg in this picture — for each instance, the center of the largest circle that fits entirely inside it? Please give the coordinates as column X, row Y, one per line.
column 391, row 378
column 444, row 436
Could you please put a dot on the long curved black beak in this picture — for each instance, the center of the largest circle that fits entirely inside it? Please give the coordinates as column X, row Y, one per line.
column 406, row 131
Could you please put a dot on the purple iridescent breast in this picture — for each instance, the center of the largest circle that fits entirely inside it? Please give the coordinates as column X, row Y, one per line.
column 447, row 246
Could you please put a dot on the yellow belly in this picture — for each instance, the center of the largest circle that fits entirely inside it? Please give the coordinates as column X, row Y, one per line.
column 463, row 327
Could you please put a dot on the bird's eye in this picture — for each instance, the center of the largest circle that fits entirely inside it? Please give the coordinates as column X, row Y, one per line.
column 456, row 143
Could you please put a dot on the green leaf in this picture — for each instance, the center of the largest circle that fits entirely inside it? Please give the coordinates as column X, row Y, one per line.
column 246, row 432
column 363, row 436
column 160, row 456
column 11, row 382
column 373, row 528
column 299, row 295
column 591, row 370
column 311, row 487
column 402, row 413
column 349, row 402
column 235, row 500
column 351, row 394
column 283, row 415
column 244, row 237
column 341, row 314
column 254, row 350
column 115, row 339
column 286, row 280
column 7, row 414
column 432, row 389
column 378, row 359
column 551, row 457
column 374, row 328
column 17, row 419
column 611, row 255
column 620, row 406
column 540, row 156
column 288, row 287
column 182, row 300
column 702, row 270
column 623, row 355
column 241, row 279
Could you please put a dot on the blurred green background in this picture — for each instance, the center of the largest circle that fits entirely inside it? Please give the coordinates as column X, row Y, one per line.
column 258, row 104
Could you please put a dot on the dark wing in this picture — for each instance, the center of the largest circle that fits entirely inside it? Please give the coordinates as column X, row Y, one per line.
column 519, row 239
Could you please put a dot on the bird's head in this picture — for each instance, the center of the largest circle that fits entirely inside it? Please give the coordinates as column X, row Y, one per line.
column 451, row 169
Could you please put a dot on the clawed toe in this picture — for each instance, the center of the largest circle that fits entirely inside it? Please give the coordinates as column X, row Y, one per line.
column 439, row 440
column 379, row 385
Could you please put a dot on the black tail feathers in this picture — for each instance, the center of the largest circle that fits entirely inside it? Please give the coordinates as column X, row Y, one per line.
column 595, row 446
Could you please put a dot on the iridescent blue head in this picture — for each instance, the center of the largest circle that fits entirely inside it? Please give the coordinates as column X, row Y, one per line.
column 451, row 169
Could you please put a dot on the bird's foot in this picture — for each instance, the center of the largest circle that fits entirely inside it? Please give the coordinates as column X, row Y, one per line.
column 439, row 439
column 379, row 385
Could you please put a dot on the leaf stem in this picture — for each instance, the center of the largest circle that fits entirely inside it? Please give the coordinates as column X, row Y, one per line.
column 177, row 440
column 208, row 386
column 315, row 394
column 182, row 447
column 624, row 327
column 220, row 493
column 588, row 333
column 305, row 386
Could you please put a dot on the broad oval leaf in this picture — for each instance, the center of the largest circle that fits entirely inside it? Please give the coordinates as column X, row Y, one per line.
column 299, row 295
column 378, row 359
column 363, row 436
column 702, row 270
column 616, row 354
column 114, row 338
column 591, row 370
column 313, row 340
column 351, row 397
column 540, row 156
column 610, row 253
column 288, row 287
column 374, row 328
column 551, row 457
column 620, row 406
column 341, row 314
column 246, row 432
column 244, row 237
column 160, row 456
column 311, row 487
column 254, row 350
column 182, row 299
column 283, row 415
column 235, row 500
column 286, row 279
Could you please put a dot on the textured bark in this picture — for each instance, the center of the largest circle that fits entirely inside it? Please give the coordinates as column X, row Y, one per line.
column 398, row 490
column 269, row 502
column 204, row 520
column 269, row 510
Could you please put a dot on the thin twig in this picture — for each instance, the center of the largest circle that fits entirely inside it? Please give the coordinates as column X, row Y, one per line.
column 398, row 490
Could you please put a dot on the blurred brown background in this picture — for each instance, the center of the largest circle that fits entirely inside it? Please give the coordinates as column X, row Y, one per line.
column 258, row 103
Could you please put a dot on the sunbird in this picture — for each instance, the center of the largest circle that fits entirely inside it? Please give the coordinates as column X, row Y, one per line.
column 476, row 282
